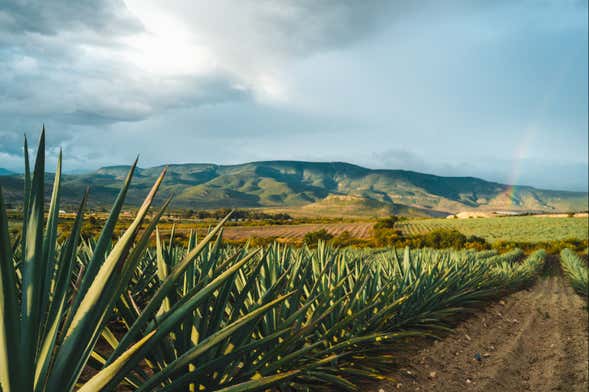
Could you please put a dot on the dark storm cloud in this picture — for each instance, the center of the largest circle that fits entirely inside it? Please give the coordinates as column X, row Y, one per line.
column 65, row 61
column 53, row 16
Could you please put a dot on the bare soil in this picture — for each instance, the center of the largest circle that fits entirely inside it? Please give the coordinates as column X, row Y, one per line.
column 533, row 340
column 297, row 232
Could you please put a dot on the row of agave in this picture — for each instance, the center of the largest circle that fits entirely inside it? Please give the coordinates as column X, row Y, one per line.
column 576, row 270
column 214, row 317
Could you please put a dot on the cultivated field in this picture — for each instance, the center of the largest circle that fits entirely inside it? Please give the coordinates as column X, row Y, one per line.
column 122, row 311
column 521, row 229
column 297, row 232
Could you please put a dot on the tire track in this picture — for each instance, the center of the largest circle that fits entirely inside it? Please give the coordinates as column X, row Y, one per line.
column 573, row 374
column 533, row 340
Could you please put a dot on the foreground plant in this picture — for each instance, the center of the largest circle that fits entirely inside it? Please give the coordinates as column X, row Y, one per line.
column 48, row 328
column 576, row 270
column 50, row 322
column 348, row 315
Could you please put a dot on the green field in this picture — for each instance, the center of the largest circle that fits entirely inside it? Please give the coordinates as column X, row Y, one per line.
column 520, row 228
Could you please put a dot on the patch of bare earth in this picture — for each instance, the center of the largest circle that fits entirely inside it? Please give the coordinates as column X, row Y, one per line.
column 533, row 340
column 297, row 232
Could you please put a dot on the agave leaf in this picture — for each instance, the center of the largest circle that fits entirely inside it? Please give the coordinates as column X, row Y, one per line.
column 84, row 329
column 260, row 382
column 104, row 239
column 193, row 354
column 26, row 192
column 9, row 330
column 57, row 305
column 31, row 278
column 162, row 271
column 102, row 378
column 47, row 267
column 166, row 287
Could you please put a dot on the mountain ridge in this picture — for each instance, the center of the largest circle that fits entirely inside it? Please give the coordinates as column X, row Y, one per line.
column 287, row 183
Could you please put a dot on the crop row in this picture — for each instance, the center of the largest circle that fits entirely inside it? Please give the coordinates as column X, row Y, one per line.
column 576, row 270
column 524, row 229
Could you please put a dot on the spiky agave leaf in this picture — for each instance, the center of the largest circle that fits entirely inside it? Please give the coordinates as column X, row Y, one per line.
column 576, row 270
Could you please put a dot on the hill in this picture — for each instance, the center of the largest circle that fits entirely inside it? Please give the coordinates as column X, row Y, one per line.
column 335, row 186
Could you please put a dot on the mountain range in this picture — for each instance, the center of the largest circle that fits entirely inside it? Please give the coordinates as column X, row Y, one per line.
column 310, row 186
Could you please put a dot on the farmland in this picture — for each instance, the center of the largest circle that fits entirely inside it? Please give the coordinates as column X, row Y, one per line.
column 523, row 229
column 526, row 229
column 361, row 230
column 137, row 310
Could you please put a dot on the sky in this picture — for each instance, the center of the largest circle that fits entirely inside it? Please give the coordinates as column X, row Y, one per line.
column 497, row 90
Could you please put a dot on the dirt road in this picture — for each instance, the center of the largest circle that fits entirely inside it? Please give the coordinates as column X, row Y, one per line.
column 534, row 340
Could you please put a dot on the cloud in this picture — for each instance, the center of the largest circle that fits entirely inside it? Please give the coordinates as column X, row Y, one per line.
column 399, row 159
column 430, row 84
column 257, row 41
column 84, row 67
column 547, row 174
column 53, row 17
column 102, row 62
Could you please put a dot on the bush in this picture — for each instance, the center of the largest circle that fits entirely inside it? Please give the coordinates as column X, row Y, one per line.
column 312, row 237
column 344, row 239
column 387, row 223
column 551, row 247
column 438, row 239
column 262, row 241
column 443, row 239
column 387, row 237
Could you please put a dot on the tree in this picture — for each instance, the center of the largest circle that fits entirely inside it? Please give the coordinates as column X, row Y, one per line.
column 312, row 237
column 387, row 223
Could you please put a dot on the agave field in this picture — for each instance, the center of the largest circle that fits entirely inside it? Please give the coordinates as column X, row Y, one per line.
column 90, row 314
column 517, row 228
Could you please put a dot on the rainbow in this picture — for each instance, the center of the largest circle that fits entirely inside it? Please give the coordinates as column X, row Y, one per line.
column 521, row 152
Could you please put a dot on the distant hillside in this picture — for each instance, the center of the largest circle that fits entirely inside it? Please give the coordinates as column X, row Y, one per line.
column 5, row 172
column 357, row 206
column 329, row 186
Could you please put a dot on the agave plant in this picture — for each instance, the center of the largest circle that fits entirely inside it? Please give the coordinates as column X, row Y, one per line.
column 515, row 275
column 576, row 270
column 348, row 312
column 49, row 327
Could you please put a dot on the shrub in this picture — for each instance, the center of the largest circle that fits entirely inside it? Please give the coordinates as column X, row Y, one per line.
column 262, row 241
column 386, row 223
column 313, row 237
column 343, row 239
column 387, row 237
